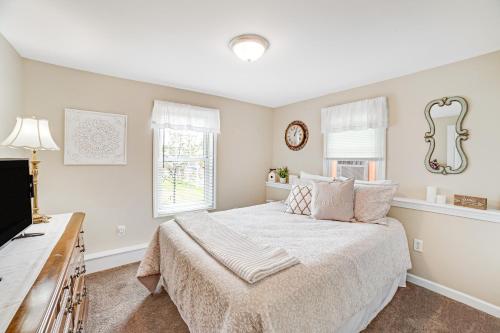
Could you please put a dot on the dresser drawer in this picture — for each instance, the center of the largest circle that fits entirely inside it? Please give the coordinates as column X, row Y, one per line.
column 57, row 300
column 81, row 306
column 63, row 322
column 70, row 295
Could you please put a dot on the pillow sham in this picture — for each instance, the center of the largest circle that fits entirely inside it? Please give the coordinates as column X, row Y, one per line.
column 369, row 182
column 299, row 200
column 310, row 177
column 333, row 201
column 372, row 202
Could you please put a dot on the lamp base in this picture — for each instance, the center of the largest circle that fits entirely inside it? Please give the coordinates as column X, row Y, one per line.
column 39, row 218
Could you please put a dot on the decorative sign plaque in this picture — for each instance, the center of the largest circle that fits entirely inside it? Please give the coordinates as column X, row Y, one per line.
column 470, row 202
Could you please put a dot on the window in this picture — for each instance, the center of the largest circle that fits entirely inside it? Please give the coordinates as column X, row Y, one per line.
column 354, row 139
column 184, row 152
column 358, row 154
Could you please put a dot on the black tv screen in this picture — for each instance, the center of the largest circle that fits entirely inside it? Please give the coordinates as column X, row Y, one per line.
column 15, row 198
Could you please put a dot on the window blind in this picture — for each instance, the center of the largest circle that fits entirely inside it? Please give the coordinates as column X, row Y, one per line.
column 184, row 171
column 356, row 145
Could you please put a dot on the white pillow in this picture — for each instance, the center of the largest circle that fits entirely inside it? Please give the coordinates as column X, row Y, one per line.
column 311, row 177
column 370, row 182
column 299, row 200
column 333, row 200
column 375, row 182
column 372, row 202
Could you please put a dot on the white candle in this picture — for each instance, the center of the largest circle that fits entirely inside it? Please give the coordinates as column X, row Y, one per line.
column 431, row 193
column 441, row 199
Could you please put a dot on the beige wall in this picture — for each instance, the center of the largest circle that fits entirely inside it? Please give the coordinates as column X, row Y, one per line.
column 477, row 79
column 113, row 195
column 11, row 89
column 459, row 253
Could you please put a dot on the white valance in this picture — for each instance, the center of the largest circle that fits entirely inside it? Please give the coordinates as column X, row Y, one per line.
column 360, row 115
column 185, row 117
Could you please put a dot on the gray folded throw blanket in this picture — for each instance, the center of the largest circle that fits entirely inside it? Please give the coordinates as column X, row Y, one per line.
column 250, row 261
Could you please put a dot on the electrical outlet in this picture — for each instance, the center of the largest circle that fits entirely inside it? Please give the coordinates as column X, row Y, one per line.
column 418, row 245
column 121, row 230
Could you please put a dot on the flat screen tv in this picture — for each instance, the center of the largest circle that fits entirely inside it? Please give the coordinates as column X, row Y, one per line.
column 15, row 198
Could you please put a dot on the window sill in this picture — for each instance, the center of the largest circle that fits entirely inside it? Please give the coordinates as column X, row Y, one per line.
column 490, row 215
column 160, row 215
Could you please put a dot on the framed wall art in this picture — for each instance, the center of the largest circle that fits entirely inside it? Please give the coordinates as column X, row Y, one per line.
column 94, row 138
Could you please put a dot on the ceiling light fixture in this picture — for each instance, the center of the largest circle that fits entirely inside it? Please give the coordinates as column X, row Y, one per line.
column 249, row 47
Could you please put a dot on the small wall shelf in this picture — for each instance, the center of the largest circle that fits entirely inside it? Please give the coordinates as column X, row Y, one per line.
column 279, row 185
column 491, row 215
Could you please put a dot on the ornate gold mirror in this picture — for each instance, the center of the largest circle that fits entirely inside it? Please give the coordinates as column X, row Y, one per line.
column 445, row 117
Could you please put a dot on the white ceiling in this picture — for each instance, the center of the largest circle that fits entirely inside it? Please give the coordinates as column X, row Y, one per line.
column 317, row 47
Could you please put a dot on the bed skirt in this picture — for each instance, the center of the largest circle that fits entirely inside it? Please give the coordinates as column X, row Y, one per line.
column 360, row 320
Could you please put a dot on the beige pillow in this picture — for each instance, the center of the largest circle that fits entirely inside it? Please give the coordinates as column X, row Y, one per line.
column 372, row 202
column 299, row 200
column 333, row 200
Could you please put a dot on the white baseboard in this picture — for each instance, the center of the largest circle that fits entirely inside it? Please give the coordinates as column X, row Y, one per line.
column 456, row 295
column 100, row 261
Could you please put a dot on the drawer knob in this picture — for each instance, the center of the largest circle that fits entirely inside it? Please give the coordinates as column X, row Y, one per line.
column 80, row 326
column 69, row 306
column 78, row 298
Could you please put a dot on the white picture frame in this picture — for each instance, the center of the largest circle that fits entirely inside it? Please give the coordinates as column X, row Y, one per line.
column 94, row 138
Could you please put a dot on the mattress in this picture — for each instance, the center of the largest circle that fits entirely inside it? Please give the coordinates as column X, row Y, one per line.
column 344, row 268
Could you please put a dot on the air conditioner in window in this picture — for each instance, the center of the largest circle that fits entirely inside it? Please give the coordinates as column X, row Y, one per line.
column 353, row 169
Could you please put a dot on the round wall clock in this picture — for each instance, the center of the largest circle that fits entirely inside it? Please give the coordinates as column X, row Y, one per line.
column 296, row 135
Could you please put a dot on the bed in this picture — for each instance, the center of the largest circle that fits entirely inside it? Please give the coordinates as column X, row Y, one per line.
column 348, row 272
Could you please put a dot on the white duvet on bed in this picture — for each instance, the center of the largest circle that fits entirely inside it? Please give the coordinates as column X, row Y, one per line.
column 344, row 266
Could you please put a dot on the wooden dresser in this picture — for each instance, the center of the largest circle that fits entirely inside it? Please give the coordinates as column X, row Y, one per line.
column 57, row 301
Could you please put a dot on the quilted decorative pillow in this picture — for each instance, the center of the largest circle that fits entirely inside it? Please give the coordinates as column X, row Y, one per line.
column 372, row 202
column 299, row 200
column 333, row 201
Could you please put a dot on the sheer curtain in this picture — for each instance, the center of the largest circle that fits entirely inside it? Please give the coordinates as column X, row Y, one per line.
column 360, row 115
column 185, row 117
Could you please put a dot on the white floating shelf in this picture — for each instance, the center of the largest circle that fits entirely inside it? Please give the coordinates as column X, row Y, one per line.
column 279, row 185
column 491, row 215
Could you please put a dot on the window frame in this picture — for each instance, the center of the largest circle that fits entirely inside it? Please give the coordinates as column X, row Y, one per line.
column 382, row 163
column 156, row 150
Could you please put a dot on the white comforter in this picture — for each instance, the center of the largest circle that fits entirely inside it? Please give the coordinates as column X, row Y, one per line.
column 343, row 266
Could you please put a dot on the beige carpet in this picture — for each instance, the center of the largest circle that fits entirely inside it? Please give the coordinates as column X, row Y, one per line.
column 118, row 303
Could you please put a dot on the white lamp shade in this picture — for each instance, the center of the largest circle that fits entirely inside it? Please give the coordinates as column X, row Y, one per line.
column 31, row 133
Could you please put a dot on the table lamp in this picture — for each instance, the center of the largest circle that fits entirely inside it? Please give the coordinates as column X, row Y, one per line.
column 33, row 134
